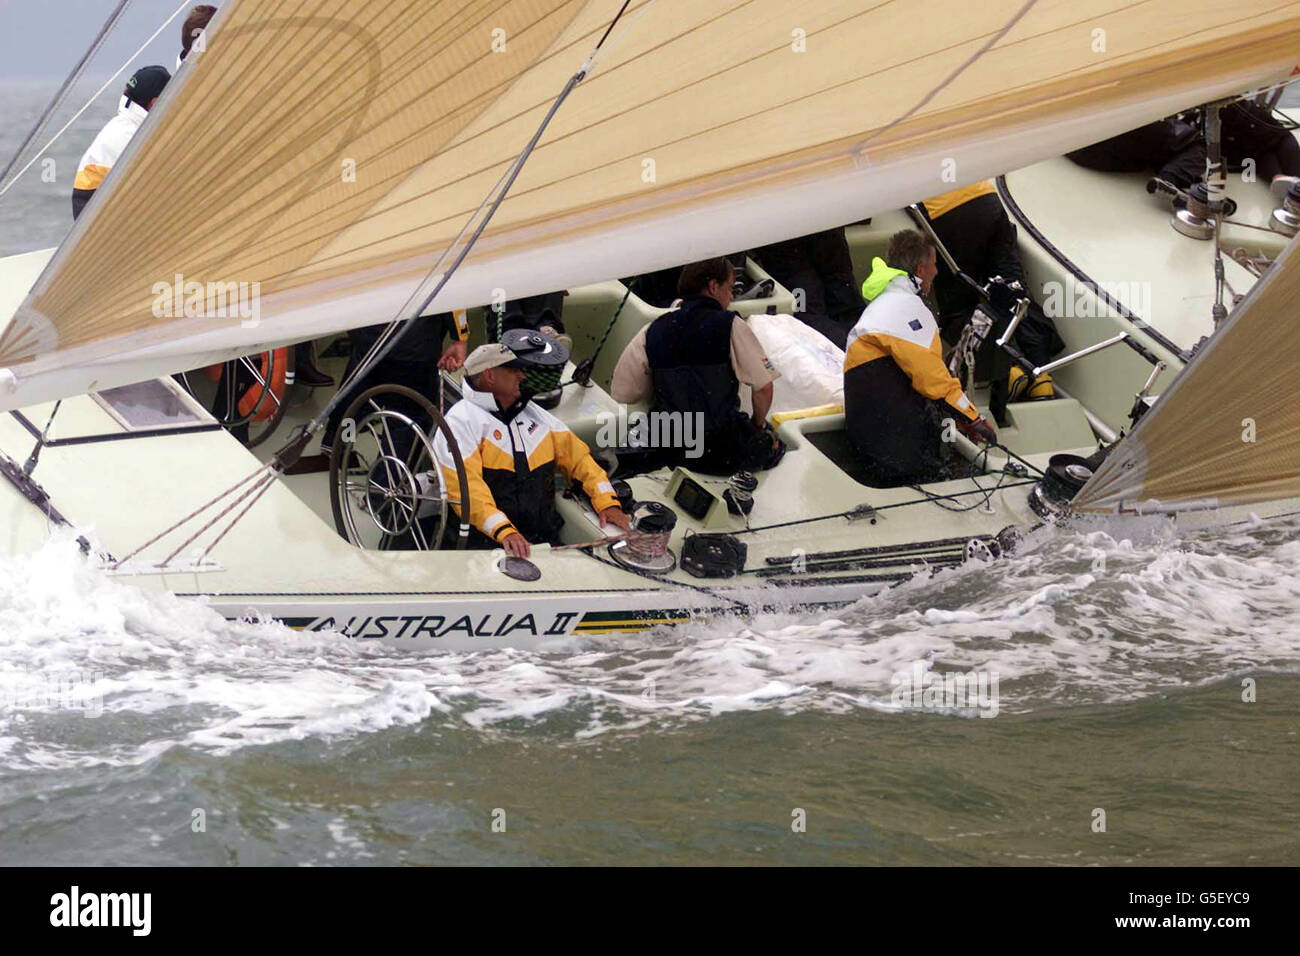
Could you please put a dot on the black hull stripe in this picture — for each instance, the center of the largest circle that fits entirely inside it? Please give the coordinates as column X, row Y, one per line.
column 1138, row 322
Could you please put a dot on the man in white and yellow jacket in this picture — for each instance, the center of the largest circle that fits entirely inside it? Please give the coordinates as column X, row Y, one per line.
column 142, row 91
column 511, row 449
column 897, row 389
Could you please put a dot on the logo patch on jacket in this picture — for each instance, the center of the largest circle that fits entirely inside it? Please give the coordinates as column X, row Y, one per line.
column 496, row 433
column 914, row 325
column 532, row 427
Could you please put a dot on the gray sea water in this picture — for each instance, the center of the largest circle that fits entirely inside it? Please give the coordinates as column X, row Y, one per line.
column 36, row 213
column 1144, row 675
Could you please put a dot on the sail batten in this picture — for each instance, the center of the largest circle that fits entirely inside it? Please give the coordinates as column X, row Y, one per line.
column 714, row 124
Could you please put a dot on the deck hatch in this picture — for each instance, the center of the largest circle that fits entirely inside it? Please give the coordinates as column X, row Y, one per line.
column 144, row 406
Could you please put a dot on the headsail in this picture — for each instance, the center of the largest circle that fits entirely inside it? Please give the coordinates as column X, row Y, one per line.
column 707, row 125
column 1228, row 430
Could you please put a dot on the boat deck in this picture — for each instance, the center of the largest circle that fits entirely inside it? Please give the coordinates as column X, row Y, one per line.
column 284, row 559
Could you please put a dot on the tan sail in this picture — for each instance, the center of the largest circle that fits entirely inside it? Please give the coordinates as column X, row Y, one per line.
column 1228, row 430
column 706, row 126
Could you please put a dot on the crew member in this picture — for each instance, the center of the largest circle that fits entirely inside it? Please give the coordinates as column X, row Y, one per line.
column 821, row 267
column 412, row 361
column 195, row 23
column 977, row 232
column 897, row 390
column 141, row 93
column 692, row 361
column 541, row 313
column 1174, row 147
column 1251, row 131
column 511, row 449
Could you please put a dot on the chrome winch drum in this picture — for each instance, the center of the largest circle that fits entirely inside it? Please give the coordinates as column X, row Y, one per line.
column 1286, row 217
column 1063, row 479
column 648, row 550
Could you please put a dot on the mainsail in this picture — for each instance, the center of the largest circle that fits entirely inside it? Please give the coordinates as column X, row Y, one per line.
column 330, row 154
column 1228, row 430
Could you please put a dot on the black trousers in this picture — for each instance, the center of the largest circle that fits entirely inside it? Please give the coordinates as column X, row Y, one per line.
column 744, row 447
column 981, row 238
column 1252, row 131
column 821, row 266
column 243, row 381
column 740, row 447
column 531, row 312
column 421, row 377
column 1175, row 149
column 896, row 431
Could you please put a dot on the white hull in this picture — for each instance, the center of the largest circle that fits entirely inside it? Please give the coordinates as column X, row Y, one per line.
column 285, row 560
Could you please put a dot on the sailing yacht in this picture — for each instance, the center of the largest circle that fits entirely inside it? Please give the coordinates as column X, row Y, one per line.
column 370, row 162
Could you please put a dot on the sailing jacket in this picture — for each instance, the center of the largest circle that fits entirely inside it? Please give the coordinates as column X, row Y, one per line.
column 510, row 461
column 104, row 152
column 897, row 388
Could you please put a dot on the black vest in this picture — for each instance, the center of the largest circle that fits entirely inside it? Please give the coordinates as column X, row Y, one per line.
column 689, row 353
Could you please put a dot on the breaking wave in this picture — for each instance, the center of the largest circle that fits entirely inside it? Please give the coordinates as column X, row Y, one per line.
column 1075, row 617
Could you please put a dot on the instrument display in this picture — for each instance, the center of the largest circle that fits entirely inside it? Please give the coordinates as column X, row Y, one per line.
column 693, row 498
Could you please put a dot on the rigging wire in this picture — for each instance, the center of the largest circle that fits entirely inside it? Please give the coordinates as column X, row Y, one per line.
column 897, row 504
column 292, row 450
column 735, row 602
column 388, row 341
column 75, row 116
column 65, row 88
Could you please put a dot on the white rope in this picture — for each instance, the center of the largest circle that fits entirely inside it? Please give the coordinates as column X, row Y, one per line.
column 589, row 67
column 271, row 471
column 66, row 87
column 1274, row 87
column 91, row 102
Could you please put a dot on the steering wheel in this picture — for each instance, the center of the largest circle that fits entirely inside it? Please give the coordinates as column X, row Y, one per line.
column 387, row 490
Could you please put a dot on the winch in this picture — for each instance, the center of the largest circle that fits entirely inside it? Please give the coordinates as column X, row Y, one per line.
column 1195, row 220
column 647, row 550
column 713, row 555
column 1286, row 217
column 739, row 494
column 1064, row 477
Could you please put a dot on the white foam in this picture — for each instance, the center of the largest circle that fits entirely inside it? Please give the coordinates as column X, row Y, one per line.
column 1114, row 612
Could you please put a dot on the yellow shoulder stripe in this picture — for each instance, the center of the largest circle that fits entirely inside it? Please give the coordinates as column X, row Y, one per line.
column 949, row 201
column 90, row 176
column 863, row 349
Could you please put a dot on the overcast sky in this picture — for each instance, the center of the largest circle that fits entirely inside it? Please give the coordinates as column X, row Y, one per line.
column 44, row 38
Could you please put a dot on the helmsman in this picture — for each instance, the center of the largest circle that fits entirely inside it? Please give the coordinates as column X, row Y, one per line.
column 511, row 449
